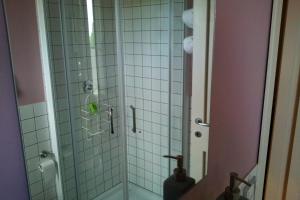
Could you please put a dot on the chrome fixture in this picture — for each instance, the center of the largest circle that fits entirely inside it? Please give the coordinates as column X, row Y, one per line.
column 133, row 118
column 87, row 86
column 200, row 122
column 110, row 113
column 45, row 154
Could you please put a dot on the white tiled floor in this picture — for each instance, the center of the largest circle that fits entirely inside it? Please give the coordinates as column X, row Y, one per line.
column 135, row 193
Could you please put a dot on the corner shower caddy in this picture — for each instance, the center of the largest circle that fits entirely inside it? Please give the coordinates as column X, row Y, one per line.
column 92, row 123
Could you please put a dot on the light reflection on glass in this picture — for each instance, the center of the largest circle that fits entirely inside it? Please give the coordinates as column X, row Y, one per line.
column 92, row 42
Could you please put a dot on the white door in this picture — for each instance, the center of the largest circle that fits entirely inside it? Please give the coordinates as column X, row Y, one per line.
column 204, row 13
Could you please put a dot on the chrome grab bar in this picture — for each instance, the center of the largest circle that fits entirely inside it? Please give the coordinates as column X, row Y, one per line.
column 134, row 118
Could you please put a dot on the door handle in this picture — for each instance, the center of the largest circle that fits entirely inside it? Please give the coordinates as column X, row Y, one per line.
column 111, row 120
column 133, row 118
column 199, row 122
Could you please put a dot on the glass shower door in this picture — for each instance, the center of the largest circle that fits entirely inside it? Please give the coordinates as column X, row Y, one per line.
column 81, row 37
column 98, row 167
column 153, row 64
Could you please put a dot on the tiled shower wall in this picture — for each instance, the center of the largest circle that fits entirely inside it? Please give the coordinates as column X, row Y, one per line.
column 36, row 138
column 146, row 43
column 98, row 159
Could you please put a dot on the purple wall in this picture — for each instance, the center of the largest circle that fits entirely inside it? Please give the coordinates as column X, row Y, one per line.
column 13, row 183
column 240, row 57
column 22, row 28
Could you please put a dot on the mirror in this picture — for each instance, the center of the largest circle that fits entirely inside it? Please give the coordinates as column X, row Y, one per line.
column 103, row 93
column 106, row 88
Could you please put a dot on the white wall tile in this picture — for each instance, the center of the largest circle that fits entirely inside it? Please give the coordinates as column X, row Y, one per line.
column 36, row 188
column 32, row 164
column 31, row 151
column 26, row 112
column 34, row 176
column 30, row 138
column 28, row 125
column 40, row 109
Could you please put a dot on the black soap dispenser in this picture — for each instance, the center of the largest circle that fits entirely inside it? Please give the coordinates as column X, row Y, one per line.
column 232, row 192
column 178, row 183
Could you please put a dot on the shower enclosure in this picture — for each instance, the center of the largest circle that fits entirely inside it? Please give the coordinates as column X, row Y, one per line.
column 116, row 75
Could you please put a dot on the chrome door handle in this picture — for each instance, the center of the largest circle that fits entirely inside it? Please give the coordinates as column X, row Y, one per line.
column 111, row 120
column 199, row 122
column 133, row 118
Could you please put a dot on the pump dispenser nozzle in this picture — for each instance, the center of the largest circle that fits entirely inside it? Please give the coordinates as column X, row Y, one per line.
column 179, row 172
column 232, row 192
column 234, row 178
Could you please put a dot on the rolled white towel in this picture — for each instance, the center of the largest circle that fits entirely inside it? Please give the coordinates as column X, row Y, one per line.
column 187, row 17
column 188, row 44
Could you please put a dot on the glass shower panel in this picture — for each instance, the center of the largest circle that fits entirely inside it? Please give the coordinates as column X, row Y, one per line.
column 81, row 38
column 177, row 71
column 153, row 62
column 61, row 100
column 146, row 56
